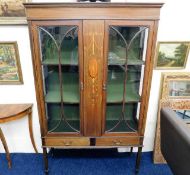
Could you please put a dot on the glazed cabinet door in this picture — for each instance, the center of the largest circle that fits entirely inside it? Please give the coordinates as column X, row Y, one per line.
column 126, row 70
column 60, row 63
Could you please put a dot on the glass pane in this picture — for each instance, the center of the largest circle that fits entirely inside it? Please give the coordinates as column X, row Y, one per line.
column 115, row 84
column 54, row 114
column 59, row 55
column 127, row 48
column 54, row 38
column 179, row 88
column 114, row 121
column 135, row 38
column 70, row 79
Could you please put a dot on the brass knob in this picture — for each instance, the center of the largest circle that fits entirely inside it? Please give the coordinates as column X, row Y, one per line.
column 67, row 143
column 117, row 142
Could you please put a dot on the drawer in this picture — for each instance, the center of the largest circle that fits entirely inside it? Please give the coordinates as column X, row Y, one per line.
column 67, row 142
column 118, row 141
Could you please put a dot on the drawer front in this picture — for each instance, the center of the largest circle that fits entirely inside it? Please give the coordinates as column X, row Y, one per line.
column 118, row 141
column 67, row 142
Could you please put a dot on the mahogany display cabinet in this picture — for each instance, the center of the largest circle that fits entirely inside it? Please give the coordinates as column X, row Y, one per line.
column 92, row 65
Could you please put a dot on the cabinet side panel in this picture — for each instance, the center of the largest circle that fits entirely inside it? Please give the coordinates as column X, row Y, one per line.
column 93, row 33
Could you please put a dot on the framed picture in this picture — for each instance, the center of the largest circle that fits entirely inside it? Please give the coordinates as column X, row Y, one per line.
column 10, row 70
column 12, row 12
column 182, row 108
column 175, row 85
column 171, row 55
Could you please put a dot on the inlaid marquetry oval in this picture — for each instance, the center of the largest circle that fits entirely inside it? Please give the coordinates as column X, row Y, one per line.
column 93, row 68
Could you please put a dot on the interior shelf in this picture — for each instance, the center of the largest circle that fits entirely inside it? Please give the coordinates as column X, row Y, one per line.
column 67, row 58
column 69, row 96
column 115, row 84
column 118, row 58
column 122, row 62
column 115, row 93
column 63, row 62
column 70, row 85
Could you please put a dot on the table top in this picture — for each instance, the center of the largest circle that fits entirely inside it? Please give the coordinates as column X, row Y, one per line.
column 10, row 110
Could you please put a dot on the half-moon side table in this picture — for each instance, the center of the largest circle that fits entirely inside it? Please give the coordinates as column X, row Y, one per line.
column 10, row 112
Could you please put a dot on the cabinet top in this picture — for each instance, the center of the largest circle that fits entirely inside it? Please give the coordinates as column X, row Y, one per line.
column 82, row 11
column 97, row 4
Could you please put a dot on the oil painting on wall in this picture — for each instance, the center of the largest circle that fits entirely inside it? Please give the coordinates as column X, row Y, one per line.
column 172, row 55
column 12, row 11
column 179, row 88
column 175, row 85
column 10, row 71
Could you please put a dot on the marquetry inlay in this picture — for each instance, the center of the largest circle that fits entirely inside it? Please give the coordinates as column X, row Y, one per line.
column 93, row 68
column 94, row 46
column 93, row 33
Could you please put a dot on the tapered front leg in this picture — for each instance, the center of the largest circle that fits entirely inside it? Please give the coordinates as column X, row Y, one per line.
column 138, row 159
column 46, row 171
column 131, row 151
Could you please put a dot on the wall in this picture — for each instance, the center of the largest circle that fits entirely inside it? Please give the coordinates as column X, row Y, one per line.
column 173, row 27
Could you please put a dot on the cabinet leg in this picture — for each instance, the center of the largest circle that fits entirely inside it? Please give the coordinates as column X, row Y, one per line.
column 46, row 171
column 131, row 151
column 52, row 152
column 138, row 159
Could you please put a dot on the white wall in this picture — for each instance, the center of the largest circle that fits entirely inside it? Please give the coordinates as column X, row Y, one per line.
column 174, row 26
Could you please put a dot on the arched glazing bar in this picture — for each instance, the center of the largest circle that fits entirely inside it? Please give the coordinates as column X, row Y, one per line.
column 125, row 69
column 58, row 44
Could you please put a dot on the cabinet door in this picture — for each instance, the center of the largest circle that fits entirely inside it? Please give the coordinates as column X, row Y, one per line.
column 61, row 67
column 124, row 74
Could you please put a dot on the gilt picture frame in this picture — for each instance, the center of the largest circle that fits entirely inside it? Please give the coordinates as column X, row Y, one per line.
column 175, row 85
column 10, row 68
column 176, row 105
column 171, row 55
column 174, row 93
column 12, row 12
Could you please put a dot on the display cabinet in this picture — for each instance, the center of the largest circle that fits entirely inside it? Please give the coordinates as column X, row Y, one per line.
column 92, row 66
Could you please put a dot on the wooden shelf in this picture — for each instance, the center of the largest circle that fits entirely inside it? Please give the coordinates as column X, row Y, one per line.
column 68, row 60
column 115, row 58
column 122, row 62
column 115, row 93
column 70, row 86
column 69, row 96
column 64, row 61
column 69, row 54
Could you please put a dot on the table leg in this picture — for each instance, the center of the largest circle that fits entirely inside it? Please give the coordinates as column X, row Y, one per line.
column 5, row 147
column 31, row 130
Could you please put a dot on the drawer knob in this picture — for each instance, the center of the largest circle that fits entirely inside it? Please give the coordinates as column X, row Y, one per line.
column 117, row 142
column 67, row 143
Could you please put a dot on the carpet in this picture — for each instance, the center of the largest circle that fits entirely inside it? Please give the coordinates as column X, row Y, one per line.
column 81, row 162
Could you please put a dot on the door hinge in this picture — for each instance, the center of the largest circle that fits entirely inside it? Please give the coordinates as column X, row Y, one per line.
column 81, row 86
column 104, row 87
